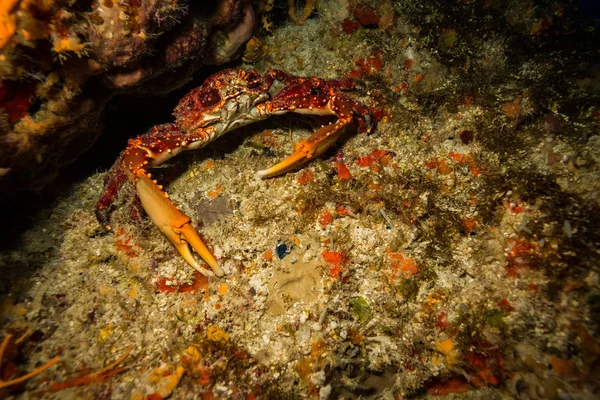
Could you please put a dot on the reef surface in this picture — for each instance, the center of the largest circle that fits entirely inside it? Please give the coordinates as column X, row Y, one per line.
column 452, row 252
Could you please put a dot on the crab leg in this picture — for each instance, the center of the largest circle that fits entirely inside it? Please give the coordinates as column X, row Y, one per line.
column 307, row 149
column 160, row 144
column 174, row 224
column 320, row 104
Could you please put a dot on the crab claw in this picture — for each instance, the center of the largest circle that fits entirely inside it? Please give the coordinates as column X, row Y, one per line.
column 175, row 225
column 307, row 149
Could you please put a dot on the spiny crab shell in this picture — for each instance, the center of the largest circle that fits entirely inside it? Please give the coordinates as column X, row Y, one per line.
column 221, row 100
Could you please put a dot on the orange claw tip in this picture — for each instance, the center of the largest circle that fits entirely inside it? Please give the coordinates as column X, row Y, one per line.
column 175, row 226
column 296, row 159
column 307, row 149
column 189, row 234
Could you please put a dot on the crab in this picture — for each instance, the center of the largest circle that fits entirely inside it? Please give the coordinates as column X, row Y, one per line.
column 227, row 100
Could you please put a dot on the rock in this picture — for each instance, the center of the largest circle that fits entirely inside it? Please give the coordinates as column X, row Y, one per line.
column 59, row 65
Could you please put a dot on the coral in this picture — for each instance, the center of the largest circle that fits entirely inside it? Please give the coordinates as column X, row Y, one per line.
column 453, row 252
column 225, row 43
column 53, row 51
column 8, row 19
column 369, row 16
column 309, row 6
column 98, row 376
column 7, row 350
column 254, row 50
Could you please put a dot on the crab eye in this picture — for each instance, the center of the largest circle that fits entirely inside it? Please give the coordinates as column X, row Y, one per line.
column 209, row 98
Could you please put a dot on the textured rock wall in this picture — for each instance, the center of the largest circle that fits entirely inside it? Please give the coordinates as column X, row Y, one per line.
column 60, row 61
